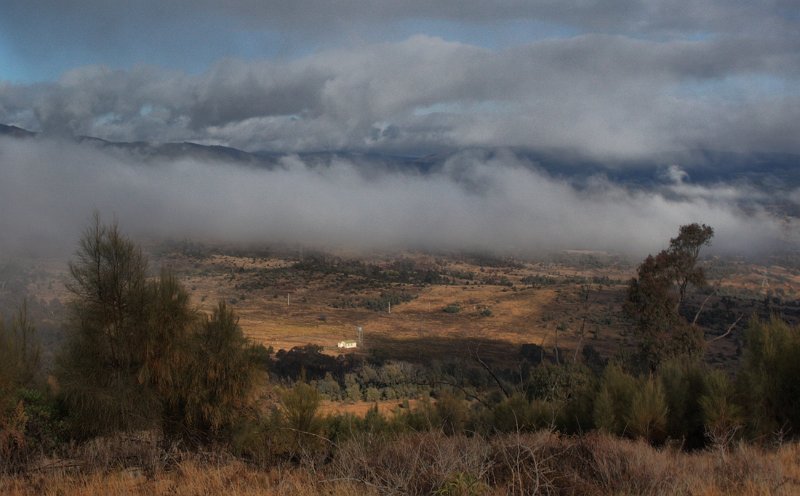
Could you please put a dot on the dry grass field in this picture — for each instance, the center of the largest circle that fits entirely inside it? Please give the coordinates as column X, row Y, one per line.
column 360, row 408
column 498, row 310
column 571, row 298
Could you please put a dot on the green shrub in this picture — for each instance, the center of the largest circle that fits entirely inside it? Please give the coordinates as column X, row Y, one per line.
column 451, row 413
column 684, row 383
column 647, row 417
column 768, row 382
column 517, row 414
column 614, row 400
column 722, row 417
column 452, row 308
column 300, row 405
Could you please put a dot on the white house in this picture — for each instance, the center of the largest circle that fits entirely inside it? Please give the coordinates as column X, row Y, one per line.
column 347, row 344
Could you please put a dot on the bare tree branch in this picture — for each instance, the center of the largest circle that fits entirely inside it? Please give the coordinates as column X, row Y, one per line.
column 491, row 373
column 702, row 306
column 728, row 331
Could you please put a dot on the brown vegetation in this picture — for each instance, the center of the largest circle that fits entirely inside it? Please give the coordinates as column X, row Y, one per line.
column 427, row 463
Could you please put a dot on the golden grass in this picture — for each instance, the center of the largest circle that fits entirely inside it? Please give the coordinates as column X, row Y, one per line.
column 190, row 478
column 360, row 408
column 421, row 463
column 519, row 315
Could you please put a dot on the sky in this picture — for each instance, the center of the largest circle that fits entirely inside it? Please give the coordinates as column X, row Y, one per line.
column 619, row 78
column 614, row 81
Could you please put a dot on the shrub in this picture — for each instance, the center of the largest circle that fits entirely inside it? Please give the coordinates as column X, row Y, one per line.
column 517, row 414
column 216, row 390
column 299, row 406
column 452, row 308
column 768, row 383
column 647, row 417
column 722, row 417
column 684, row 383
column 451, row 413
column 614, row 400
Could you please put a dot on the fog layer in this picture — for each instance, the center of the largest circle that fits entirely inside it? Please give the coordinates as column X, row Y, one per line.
column 49, row 188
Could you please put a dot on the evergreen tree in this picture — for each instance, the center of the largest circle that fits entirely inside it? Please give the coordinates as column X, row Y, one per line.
column 219, row 379
column 137, row 354
column 99, row 369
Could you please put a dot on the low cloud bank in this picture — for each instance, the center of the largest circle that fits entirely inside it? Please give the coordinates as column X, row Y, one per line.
column 473, row 201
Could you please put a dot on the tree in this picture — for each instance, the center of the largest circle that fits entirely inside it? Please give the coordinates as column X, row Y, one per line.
column 656, row 295
column 99, row 369
column 683, row 253
column 20, row 352
column 218, row 380
column 19, row 365
column 137, row 355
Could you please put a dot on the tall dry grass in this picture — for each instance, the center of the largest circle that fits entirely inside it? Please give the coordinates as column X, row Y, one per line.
column 424, row 463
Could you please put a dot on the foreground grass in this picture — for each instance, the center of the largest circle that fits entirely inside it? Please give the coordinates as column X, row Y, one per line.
column 425, row 463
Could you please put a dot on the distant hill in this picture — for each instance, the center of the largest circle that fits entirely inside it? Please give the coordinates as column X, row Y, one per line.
column 15, row 131
column 184, row 149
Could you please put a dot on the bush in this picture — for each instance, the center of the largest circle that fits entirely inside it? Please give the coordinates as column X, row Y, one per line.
column 614, row 400
column 684, row 383
column 452, row 308
column 299, row 406
column 27, row 423
column 215, row 392
column 647, row 417
column 768, row 383
column 451, row 413
column 722, row 417
column 517, row 414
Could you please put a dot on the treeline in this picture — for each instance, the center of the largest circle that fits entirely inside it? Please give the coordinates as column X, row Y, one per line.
column 139, row 358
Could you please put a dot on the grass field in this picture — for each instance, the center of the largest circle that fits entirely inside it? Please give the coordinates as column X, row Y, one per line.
column 493, row 318
column 565, row 300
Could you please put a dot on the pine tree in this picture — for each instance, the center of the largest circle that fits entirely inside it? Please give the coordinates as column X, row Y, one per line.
column 99, row 369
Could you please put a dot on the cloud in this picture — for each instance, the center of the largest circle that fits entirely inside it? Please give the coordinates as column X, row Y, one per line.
column 596, row 95
column 473, row 201
column 104, row 17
